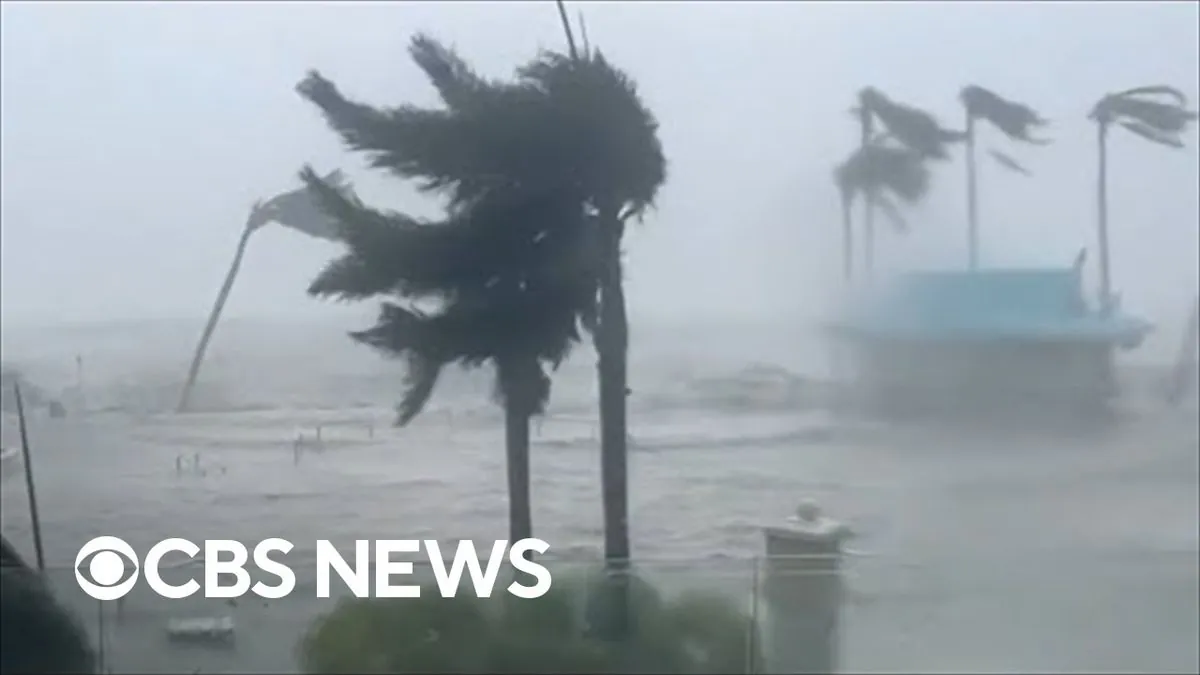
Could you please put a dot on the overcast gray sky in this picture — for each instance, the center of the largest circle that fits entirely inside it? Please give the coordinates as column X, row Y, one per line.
column 135, row 137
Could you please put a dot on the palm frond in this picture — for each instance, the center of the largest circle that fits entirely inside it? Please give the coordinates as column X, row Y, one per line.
column 883, row 174
column 1009, row 163
column 1152, row 134
column 1015, row 120
column 1156, row 90
column 350, row 278
column 1159, row 116
column 420, row 379
column 882, row 168
column 918, row 130
column 462, row 154
column 403, row 333
column 1160, row 121
column 458, row 85
column 601, row 131
column 387, row 250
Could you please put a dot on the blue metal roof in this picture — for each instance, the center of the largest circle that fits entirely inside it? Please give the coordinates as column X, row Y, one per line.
column 1040, row 304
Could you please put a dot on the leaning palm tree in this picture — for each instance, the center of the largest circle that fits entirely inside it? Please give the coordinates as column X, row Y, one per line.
column 882, row 175
column 1158, row 114
column 293, row 210
column 910, row 127
column 1015, row 120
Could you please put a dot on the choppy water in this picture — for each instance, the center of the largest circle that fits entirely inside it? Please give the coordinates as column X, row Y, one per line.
column 1003, row 550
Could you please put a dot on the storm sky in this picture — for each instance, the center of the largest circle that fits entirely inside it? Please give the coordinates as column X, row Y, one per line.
column 136, row 136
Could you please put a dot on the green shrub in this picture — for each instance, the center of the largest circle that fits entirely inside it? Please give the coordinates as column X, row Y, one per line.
column 691, row 633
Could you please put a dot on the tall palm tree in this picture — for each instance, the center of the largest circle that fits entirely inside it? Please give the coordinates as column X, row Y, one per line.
column 1014, row 120
column 910, row 127
column 1158, row 114
column 609, row 141
column 878, row 173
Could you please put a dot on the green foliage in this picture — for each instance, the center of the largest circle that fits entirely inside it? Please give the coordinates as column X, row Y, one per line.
column 692, row 633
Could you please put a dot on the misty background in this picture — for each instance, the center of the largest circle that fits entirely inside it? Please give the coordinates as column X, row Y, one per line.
column 136, row 137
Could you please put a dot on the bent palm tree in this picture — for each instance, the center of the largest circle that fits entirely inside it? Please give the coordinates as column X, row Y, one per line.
column 1158, row 114
column 878, row 173
column 1016, row 121
column 905, row 125
column 294, row 210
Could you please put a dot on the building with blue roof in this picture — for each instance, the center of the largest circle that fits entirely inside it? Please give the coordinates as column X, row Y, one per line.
column 1018, row 335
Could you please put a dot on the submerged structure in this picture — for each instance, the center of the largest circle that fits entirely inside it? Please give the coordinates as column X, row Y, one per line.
column 987, row 341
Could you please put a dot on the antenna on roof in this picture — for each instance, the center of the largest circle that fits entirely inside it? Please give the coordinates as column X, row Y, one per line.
column 587, row 49
column 566, row 24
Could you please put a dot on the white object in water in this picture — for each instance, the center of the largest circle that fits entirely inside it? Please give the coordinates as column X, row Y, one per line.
column 201, row 629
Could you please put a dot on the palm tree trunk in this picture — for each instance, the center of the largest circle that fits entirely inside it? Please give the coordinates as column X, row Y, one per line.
column 612, row 343
column 972, row 199
column 1102, row 214
column 847, row 238
column 213, row 317
column 516, row 447
column 868, row 234
column 866, row 131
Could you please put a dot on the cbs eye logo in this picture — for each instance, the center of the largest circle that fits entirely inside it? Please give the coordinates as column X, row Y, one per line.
column 106, row 568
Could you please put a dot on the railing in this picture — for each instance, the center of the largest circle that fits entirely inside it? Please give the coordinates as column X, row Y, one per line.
column 1017, row 611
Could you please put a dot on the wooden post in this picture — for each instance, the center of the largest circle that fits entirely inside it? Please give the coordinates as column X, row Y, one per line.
column 35, row 520
column 802, row 592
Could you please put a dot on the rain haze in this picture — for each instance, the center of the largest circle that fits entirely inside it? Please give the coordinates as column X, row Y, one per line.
column 137, row 136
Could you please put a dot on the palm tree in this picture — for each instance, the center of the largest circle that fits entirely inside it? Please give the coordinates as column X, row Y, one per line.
column 293, row 210
column 910, row 127
column 614, row 149
column 1158, row 114
column 879, row 173
column 1016, row 121
column 503, row 279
